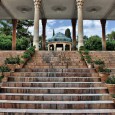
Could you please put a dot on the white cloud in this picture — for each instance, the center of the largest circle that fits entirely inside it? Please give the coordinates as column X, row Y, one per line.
column 109, row 31
column 51, row 22
column 91, row 27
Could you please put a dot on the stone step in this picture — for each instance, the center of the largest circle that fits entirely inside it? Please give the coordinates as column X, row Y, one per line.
column 49, row 90
column 53, row 84
column 50, row 74
column 55, row 63
column 56, row 104
column 57, row 112
column 54, row 97
column 83, row 70
column 55, row 67
column 54, row 79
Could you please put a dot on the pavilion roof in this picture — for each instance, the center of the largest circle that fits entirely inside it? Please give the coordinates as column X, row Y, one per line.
column 59, row 37
column 57, row 9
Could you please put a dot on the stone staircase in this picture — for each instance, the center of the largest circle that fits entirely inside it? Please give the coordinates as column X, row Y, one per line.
column 56, row 60
column 55, row 83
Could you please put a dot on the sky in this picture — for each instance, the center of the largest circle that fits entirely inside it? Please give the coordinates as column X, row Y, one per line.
column 91, row 27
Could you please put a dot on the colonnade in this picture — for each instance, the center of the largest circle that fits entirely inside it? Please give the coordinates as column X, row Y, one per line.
column 79, row 4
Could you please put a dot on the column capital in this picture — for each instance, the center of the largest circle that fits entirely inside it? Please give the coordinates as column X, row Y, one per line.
column 103, row 22
column 37, row 3
column 80, row 3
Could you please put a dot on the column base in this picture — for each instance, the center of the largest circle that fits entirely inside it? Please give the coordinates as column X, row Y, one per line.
column 79, row 45
column 36, row 45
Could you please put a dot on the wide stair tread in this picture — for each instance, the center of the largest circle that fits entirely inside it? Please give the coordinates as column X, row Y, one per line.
column 62, row 111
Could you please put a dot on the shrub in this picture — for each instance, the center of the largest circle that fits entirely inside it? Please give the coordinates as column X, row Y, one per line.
column 113, row 95
column 86, row 52
column 94, row 43
column 26, row 55
column 4, row 68
column 104, row 70
column 111, row 80
column 82, row 58
column 82, row 48
column 99, row 62
column 1, row 77
column 13, row 60
column 87, row 57
column 31, row 50
column 89, row 61
column 111, row 45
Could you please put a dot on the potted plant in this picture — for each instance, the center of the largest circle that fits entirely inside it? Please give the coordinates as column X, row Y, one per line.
column 98, row 63
column 13, row 62
column 88, row 61
column 104, row 73
column 26, row 56
column 1, row 77
column 113, row 96
column 5, row 72
column 110, row 83
column 82, row 58
column 31, row 50
column 85, row 52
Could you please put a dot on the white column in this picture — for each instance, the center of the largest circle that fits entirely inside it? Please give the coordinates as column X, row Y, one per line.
column 64, row 46
column 80, row 22
column 37, row 4
column 54, row 47
column 48, row 47
column 70, row 47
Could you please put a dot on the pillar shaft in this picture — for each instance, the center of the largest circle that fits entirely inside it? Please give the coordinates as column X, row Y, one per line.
column 14, row 22
column 103, row 24
column 54, row 47
column 36, row 23
column 80, row 22
column 74, row 33
column 64, row 47
column 44, row 21
column 48, row 47
column 70, row 47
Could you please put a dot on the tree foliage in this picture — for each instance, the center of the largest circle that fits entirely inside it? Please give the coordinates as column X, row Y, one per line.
column 23, row 28
column 24, row 37
column 110, row 45
column 68, row 33
column 6, row 27
column 111, row 36
column 53, row 32
column 93, row 43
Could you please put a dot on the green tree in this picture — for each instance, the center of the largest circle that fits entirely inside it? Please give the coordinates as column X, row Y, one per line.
column 6, row 27
column 68, row 33
column 22, row 44
column 23, row 28
column 111, row 36
column 85, row 37
column 110, row 45
column 93, row 43
column 53, row 32
column 22, row 33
